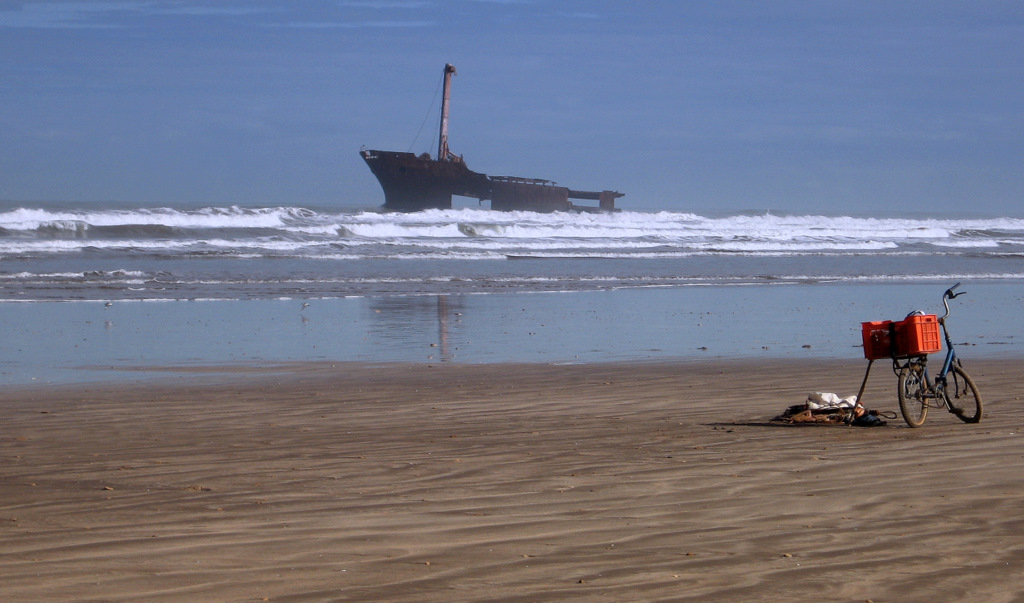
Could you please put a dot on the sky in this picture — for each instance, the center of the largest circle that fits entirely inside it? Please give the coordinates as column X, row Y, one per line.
column 829, row 106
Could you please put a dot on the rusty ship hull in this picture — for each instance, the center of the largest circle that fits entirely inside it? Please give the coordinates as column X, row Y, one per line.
column 414, row 183
column 419, row 182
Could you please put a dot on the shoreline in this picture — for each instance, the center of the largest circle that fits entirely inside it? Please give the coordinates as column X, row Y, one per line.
column 515, row 481
column 55, row 343
column 105, row 378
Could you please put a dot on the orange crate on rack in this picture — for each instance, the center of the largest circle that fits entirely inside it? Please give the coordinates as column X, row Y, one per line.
column 914, row 336
column 877, row 343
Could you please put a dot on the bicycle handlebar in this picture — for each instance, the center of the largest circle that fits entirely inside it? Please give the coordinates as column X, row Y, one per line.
column 949, row 292
column 947, row 296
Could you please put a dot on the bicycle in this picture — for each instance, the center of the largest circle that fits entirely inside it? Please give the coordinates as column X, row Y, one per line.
column 917, row 391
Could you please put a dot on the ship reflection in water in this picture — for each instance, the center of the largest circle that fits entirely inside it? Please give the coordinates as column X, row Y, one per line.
column 418, row 182
column 408, row 321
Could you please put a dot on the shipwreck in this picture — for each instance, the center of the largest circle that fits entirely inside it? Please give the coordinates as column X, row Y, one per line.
column 417, row 182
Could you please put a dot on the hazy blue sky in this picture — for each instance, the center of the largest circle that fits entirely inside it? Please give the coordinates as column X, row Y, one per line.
column 784, row 104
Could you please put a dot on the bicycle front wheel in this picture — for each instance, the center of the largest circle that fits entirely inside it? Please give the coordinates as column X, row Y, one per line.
column 912, row 394
column 965, row 401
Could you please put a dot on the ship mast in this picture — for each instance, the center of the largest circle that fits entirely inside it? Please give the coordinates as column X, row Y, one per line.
column 442, row 143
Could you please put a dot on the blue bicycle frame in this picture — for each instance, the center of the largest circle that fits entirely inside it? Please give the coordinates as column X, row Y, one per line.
column 950, row 352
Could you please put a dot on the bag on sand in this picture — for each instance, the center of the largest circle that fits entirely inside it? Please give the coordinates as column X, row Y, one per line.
column 829, row 408
column 870, row 418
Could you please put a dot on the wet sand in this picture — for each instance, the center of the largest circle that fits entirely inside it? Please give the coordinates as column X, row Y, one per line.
column 598, row 482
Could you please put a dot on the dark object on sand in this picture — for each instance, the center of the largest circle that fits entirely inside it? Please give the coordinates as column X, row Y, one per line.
column 802, row 414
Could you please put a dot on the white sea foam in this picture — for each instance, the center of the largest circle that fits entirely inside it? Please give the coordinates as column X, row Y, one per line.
column 264, row 252
column 60, row 231
column 466, row 223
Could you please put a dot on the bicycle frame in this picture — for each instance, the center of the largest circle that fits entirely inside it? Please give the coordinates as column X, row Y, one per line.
column 936, row 387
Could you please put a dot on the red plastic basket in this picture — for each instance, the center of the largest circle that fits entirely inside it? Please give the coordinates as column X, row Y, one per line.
column 914, row 336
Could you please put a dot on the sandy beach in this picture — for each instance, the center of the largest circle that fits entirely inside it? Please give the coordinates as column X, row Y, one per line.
column 515, row 482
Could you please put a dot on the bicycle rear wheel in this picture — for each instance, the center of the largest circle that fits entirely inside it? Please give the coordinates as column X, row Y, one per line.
column 912, row 394
column 965, row 401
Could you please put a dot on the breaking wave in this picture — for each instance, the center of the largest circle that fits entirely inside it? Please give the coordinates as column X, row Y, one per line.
column 274, row 230
column 239, row 252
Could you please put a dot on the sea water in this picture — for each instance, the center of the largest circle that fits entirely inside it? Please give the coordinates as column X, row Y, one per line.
column 101, row 292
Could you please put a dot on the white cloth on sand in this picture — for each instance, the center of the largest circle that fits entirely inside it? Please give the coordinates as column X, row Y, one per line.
column 819, row 400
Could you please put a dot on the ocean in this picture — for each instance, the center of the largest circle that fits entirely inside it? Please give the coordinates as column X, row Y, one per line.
column 116, row 291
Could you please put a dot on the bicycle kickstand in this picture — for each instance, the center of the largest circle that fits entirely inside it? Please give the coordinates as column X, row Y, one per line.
column 860, row 393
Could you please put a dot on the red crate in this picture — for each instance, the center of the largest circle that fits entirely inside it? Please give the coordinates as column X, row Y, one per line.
column 876, row 339
column 918, row 335
column 915, row 336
